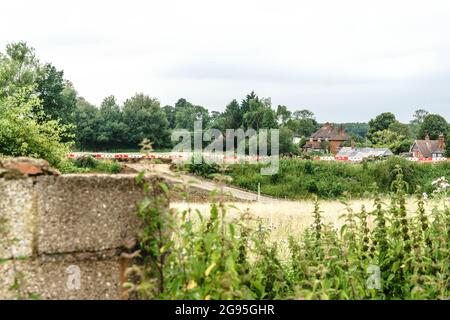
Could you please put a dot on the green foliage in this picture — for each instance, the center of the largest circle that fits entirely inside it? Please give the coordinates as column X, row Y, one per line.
column 417, row 121
column 394, row 140
column 447, row 147
column 20, row 68
column 386, row 132
column 204, row 169
column 357, row 129
column 86, row 161
column 87, row 164
column 283, row 114
column 23, row 133
column 31, row 97
column 259, row 114
column 232, row 116
column 302, row 123
column 433, row 125
column 186, row 114
column 380, row 123
column 145, row 118
column 185, row 255
column 286, row 144
column 300, row 179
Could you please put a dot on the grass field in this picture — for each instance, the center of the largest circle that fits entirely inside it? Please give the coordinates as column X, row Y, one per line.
column 287, row 218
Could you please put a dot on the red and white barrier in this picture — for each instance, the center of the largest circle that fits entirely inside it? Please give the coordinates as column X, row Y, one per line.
column 171, row 155
column 224, row 158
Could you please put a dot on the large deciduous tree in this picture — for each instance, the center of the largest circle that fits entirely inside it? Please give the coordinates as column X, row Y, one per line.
column 433, row 125
column 186, row 114
column 25, row 129
column 303, row 123
column 112, row 129
column 381, row 122
column 145, row 118
column 21, row 68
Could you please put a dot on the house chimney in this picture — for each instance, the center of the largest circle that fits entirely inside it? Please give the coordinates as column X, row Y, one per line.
column 441, row 142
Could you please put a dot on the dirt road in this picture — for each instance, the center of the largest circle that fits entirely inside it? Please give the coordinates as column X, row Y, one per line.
column 207, row 185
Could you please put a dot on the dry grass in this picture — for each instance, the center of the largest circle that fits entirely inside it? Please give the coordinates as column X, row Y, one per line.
column 287, row 218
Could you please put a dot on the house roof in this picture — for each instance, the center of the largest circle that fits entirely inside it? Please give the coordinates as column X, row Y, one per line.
column 364, row 152
column 330, row 132
column 427, row 147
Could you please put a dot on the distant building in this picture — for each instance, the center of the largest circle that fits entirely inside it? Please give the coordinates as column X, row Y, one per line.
column 428, row 148
column 364, row 153
column 329, row 138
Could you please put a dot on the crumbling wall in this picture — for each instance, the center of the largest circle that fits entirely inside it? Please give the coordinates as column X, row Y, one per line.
column 65, row 232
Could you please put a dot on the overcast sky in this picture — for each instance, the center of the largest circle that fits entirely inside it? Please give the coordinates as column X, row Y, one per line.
column 345, row 60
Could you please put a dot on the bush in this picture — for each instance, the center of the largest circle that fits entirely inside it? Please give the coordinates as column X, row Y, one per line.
column 86, row 161
column 298, row 179
column 25, row 132
column 203, row 169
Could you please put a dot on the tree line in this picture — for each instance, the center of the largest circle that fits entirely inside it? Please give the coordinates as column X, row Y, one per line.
column 113, row 126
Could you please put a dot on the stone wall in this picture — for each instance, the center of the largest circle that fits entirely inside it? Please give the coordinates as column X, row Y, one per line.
column 65, row 228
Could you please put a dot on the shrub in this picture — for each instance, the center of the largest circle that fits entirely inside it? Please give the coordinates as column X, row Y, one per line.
column 204, row 169
column 86, row 161
column 24, row 130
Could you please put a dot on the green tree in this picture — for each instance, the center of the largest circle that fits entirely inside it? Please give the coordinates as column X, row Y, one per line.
column 20, row 68
column 245, row 104
column 170, row 114
column 145, row 118
column 112, row 130
column 21, row 134
column 400, row 129
column 417, row 121
column 395, row 141
column 56, row 94
column 358, row 129
column 260, row 115
column 433, row 125
column 283, row 114
column 286, row 142
column 380, row 123
column 186, row 114
column 303, row 123
column 232, row 117
column 87, row 125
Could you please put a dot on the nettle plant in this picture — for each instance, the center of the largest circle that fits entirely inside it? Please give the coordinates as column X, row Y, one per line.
column 186, row 255
column 442, row 187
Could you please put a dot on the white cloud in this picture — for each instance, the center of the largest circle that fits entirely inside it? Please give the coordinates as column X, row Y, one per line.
column 345, row 60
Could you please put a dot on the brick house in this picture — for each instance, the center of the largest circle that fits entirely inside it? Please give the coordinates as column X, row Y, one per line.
column 428, row 148
column 328, row 138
